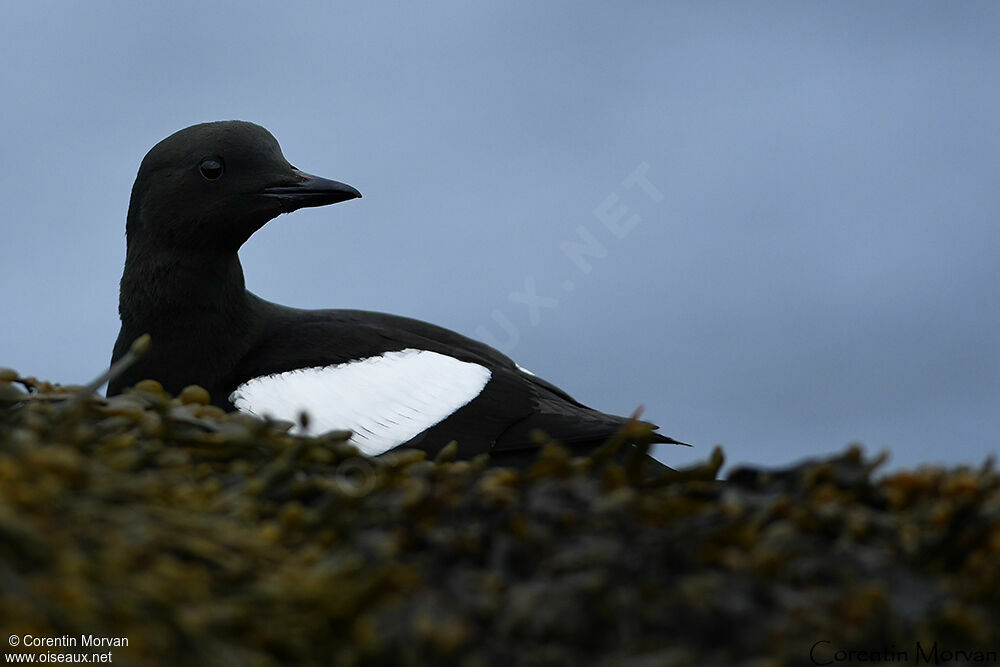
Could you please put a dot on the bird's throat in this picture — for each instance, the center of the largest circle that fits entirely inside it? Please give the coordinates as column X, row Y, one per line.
column 163, row 291
column 185, row 303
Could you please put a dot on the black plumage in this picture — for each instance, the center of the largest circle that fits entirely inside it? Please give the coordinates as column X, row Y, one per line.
column 199, row 195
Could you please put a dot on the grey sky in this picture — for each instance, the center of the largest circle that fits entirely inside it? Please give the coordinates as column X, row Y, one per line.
column 822, row 266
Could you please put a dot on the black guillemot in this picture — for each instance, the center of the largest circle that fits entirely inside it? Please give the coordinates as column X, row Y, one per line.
column 393, row 381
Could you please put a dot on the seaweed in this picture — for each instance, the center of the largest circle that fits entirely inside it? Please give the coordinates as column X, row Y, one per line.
column 205, row 537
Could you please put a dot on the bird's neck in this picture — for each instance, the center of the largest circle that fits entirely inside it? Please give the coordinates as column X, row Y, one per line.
column 165, row 290
column 198, row 313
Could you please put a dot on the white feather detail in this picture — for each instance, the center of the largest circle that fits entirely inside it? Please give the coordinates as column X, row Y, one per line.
column 384, row 400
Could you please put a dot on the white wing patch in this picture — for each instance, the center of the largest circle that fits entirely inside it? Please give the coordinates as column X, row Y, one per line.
column 384, row 400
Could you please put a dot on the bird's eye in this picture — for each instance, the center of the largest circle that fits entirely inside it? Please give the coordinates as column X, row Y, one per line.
column 211, row 168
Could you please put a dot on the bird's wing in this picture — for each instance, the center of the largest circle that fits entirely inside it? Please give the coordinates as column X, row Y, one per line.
column 397, row 381
column 388, row 379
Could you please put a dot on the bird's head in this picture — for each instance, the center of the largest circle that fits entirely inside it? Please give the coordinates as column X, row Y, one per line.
column 210, row 186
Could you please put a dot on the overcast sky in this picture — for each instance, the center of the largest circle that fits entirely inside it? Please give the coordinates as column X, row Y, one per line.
column 774, row 225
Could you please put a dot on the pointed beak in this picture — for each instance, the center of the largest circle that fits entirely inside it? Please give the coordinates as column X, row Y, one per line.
column 309, row 191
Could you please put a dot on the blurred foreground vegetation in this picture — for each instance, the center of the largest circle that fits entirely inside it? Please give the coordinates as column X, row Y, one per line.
column 217, row 539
